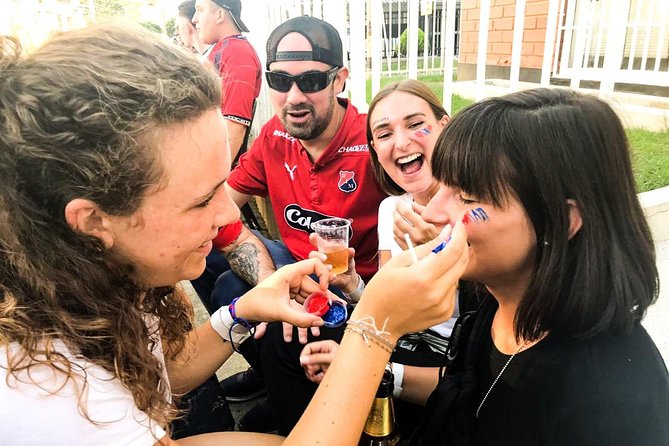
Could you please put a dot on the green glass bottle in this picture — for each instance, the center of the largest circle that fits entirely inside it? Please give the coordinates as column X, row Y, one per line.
column 380, row 427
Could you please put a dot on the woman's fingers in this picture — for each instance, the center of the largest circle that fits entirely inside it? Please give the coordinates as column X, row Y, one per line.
column 433, row 277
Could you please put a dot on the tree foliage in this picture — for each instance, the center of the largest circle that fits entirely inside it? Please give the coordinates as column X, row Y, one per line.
column 152, row 27
column 402, row 46
column 110, row 8
column 171, row 27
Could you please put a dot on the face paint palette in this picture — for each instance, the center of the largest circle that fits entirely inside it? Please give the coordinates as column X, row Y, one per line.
column 333, row 313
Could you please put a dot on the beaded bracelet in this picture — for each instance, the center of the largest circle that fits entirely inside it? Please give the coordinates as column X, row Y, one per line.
column 239, row 320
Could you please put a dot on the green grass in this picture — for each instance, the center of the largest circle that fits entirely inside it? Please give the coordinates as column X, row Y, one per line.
column 650, row 158
column 650, row 150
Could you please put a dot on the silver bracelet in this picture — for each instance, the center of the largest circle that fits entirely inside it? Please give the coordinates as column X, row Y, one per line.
column 354, row 296
column 223, row 324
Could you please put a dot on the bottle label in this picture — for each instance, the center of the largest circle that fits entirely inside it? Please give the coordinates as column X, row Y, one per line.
column 381, row 419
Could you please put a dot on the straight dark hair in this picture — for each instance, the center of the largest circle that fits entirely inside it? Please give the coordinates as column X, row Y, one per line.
column 412, row 87
column 543, row 147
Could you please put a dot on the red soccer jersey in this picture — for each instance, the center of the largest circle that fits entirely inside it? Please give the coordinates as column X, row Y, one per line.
column 241, row 77
column 339, row 184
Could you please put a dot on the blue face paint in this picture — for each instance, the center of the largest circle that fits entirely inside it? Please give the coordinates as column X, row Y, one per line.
column 477, row 215
column 336, row 315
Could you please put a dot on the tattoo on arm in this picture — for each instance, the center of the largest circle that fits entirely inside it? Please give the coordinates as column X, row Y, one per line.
column 245, row 263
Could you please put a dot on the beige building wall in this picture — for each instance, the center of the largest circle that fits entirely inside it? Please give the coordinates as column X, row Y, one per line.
column 500, row 32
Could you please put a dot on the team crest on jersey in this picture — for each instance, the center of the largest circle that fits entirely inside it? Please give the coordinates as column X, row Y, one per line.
column 347, row 181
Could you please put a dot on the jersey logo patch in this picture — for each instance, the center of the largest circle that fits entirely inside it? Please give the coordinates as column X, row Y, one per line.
column 291, row 171
column 347, row 182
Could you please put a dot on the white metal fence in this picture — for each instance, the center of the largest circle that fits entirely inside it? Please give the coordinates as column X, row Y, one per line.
column 610, row 41
column 371, row 32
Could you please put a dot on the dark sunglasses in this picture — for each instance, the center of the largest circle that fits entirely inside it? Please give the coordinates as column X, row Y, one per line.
column 310, row 82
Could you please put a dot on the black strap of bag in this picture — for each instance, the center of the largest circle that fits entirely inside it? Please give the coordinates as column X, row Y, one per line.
column 450, row 410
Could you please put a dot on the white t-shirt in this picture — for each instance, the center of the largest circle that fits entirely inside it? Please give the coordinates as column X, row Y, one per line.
column 387, row 243
column 48, row 413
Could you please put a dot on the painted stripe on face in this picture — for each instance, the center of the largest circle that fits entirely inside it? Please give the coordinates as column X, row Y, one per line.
column 425, row 131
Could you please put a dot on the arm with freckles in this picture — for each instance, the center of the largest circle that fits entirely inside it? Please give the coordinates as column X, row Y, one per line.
column 338, row 410
column 206, row 350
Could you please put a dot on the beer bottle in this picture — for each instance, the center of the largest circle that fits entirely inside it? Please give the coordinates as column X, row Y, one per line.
column 380, row 428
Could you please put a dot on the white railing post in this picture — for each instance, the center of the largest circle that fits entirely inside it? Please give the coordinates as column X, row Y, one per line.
column 482, row 51
column 448, row 52
column 412, row 39
column 317, row 9
column 549, row 43
column 376, row 22
column 425, row 9
column 649, row 31
column 581, row 34
column 433, row 40
column 570, row 25
column 334, row 12
column 358, row 72
column 615, row 48
column 516, row 49
column 399, row 34
column 664, row 12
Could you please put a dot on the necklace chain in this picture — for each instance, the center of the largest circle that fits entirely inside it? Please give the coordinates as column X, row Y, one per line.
column 498, row 376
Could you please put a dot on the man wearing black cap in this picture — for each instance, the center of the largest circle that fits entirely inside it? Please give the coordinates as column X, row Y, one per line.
column 311, row 159
column 219, row 23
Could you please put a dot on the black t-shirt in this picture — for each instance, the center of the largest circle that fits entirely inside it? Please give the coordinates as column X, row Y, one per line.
column 608, row 390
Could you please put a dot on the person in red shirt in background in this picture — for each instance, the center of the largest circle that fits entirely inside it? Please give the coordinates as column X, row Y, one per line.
column 219, row 23
column 311, row 159
column 188, row 35
column 219, row 26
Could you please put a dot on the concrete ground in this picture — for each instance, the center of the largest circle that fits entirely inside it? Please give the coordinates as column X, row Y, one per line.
column 236, row 363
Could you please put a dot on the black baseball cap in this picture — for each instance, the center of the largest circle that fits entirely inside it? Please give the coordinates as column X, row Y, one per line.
column 234, row 7
column 324, row 39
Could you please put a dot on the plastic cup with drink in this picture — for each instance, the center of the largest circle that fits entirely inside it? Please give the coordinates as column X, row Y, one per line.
column 332, row 235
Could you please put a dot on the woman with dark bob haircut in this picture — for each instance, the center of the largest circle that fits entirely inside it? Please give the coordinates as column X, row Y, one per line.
column 113, row 157
column 557, row 354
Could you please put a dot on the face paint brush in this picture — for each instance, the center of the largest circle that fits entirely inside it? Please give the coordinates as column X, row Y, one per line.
column 477, row 215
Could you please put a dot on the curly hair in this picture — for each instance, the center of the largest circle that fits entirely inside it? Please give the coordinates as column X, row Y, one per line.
column 76, row 121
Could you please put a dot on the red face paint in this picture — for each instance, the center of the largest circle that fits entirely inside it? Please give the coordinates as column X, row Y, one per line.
column 317, row 303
